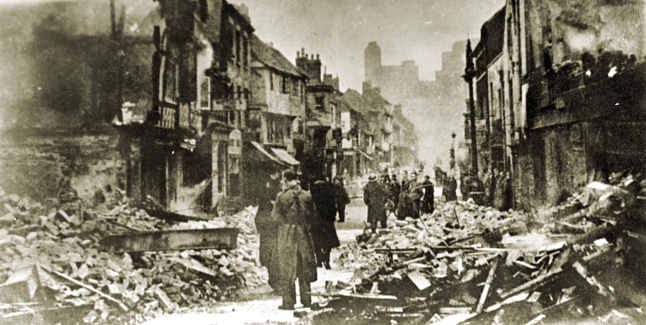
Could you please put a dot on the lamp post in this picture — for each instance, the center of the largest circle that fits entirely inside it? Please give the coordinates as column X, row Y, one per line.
column 475, row 186
column 469, row 74
column 452, row 153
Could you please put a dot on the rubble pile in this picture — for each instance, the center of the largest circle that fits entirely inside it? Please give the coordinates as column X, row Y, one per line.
column 53, row 259
column 453, row 222
column 472, row 264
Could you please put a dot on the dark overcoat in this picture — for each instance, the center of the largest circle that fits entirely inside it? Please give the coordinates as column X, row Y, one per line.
column 294, row 213
column 449, row 189
column 266, row 226
column 323, row 230
column 374, row 196
column 428, row 202
column 406, row 207
column 341, row 195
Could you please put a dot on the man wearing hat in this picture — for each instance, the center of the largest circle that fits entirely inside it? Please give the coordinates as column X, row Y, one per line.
column 294, row 212
column 415, row 192
column 374, row 196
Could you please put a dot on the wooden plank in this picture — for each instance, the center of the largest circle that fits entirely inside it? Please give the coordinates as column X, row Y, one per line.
column 372, row 297
column 88, row 287
column 582, row 270
column 419, row 280
column 487, row 287
column 531, row 284
column 169, row 240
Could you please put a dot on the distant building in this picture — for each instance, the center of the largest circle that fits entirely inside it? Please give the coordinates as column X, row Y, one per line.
column 396, row 82
column 435, row 105
column 323, row 152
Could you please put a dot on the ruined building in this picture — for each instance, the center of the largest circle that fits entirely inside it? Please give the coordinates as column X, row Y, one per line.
column 571, row 87
column 187, row 155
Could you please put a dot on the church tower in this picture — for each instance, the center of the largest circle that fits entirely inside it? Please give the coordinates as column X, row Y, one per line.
column 372, row 61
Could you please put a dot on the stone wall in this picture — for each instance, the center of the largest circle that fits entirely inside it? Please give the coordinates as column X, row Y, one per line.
column 36, row 163
column 555, row 163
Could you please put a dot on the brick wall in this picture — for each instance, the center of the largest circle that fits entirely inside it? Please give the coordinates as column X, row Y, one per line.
column 36, row 163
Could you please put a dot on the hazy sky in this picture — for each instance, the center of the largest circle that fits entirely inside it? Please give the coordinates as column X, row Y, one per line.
column 339, row 30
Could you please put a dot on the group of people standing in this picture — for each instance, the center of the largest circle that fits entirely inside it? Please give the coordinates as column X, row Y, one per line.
column 406, row 198
column 297, row 231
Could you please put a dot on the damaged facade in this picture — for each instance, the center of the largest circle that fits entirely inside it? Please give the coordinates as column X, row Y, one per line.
column 568, row 87
column 228, row 108
column 190, row 146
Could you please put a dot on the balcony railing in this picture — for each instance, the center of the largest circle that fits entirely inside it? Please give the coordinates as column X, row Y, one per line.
column 168, row 117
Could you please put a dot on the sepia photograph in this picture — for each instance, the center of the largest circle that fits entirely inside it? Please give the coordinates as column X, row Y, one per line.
column 315, row 162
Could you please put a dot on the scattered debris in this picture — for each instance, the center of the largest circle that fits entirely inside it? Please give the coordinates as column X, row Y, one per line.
column 67, row 258
column 504, row 267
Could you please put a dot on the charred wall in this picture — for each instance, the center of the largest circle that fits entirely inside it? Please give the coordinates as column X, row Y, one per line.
column 38, row 164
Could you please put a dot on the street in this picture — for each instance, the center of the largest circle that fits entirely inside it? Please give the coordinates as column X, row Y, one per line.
column 261, row 305
column 146, row 144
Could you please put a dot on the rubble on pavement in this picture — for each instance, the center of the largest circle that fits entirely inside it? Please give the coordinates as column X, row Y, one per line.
column 475, row 265
column 51, row 259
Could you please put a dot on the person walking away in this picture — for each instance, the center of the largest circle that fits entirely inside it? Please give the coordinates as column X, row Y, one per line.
column 404, row 186
column 341, row 196
column 395, row 190
column 323, row 230
column 428, row 202
column 416, row 193
column 374, row 196
column 389, row 205
column 406, row 207
column 294, row 213
column 450, row 188
column 267, row 228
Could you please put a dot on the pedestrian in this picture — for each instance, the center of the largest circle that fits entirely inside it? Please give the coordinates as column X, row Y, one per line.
column 295, row 258
column 415, row 192
column 428, row 202
column 406, row 207
column 267, row 228
column 389, row 205
column 342, row 197
column 385, row 179
column 450, row 188
column 405, row 182
column 323, row 230
column 395, row 190
column 374, row 196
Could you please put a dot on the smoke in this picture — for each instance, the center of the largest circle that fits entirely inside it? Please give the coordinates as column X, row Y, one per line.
column 59, row 65
column 594, row 26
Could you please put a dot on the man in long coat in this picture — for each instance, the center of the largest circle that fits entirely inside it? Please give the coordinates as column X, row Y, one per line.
column 323, row 231
column 406, row 207
column 267, row 228
column 450, row 188
column 395, row 189
column 415, row 192
column 374, row 196
column 341, row 197
column 295, row 259
column 428, row 202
